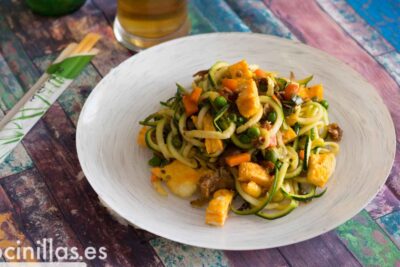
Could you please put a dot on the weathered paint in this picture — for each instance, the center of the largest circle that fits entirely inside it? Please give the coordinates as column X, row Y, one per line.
column 176, row 254
column 391, row 224
column 259, row 18
column 221, row 15
column 382, row 15
column 368, row 241
column 199, row 23
column 384, row 203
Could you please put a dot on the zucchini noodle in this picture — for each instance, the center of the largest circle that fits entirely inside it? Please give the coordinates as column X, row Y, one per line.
column 265, row 136
column 278, row 123
column 333, row 147
column 271, row 86
column 252, row 121
column 160, row 138
column 190, row 162
column 203, row 111
column 211, row 134
column 186, row 149
column 314, row 118
column 293, row 156
column 307, row 128
column 182, row 122
column 211, row 95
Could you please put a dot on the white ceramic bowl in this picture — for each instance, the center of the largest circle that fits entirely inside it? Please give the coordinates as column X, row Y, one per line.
column 117, row 168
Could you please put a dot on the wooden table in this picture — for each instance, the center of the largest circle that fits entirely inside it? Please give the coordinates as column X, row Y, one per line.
column 44, row 194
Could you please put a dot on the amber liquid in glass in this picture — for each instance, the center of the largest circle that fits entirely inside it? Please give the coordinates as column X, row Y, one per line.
column 151, row 20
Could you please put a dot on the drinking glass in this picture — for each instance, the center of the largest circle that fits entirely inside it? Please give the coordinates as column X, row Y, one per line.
column 143, row 23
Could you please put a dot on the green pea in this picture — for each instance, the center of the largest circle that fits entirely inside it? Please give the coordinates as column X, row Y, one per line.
column 220, row 102
column 325, row 104
column 155, row 161
column 271, row 116
column 253, row 132
column 271, row 156
column 176, row 142
column 296, row 128
column 241, row 120
column 244, row 138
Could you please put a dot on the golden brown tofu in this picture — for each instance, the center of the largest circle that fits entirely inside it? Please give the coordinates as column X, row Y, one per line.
column 240, row 70
column 248, row 101
column 218, row 208
column 316, row 91
column 249, row 171
column 252, row 189
column 180, row 178
column 212, row 145
column 320, row 168
column 288, row 135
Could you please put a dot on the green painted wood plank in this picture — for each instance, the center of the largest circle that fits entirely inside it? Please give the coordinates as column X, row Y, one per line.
column 175, row 254
column 368, row 242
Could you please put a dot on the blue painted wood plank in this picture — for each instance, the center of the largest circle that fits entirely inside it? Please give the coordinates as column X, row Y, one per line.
column 259, row 18
column 223, row 18
column 370, row 39
column 382, row 15
column 391, row 62
column 200, row 24
column 391, row 224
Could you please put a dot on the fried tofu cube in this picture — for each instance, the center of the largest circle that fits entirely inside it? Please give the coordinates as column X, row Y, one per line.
column 316, row 91
column 218, row 207
column 320, row 168
column 180, row 178
column 249, row 171
column 288, row 135
column 212, row 145
column 252, row 189
column 248, row 101
column 240, row 70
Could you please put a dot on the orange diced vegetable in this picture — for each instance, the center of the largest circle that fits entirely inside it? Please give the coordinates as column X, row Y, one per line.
column 190, row 102
column 301, row 154
column 235, row 160
column 231, row 84
column 291, row 90
column 141, row 139
column 259, row 73
column 190, row 106
column 195, row 95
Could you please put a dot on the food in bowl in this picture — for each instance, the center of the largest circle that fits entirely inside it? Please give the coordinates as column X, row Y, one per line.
column 242, row 139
